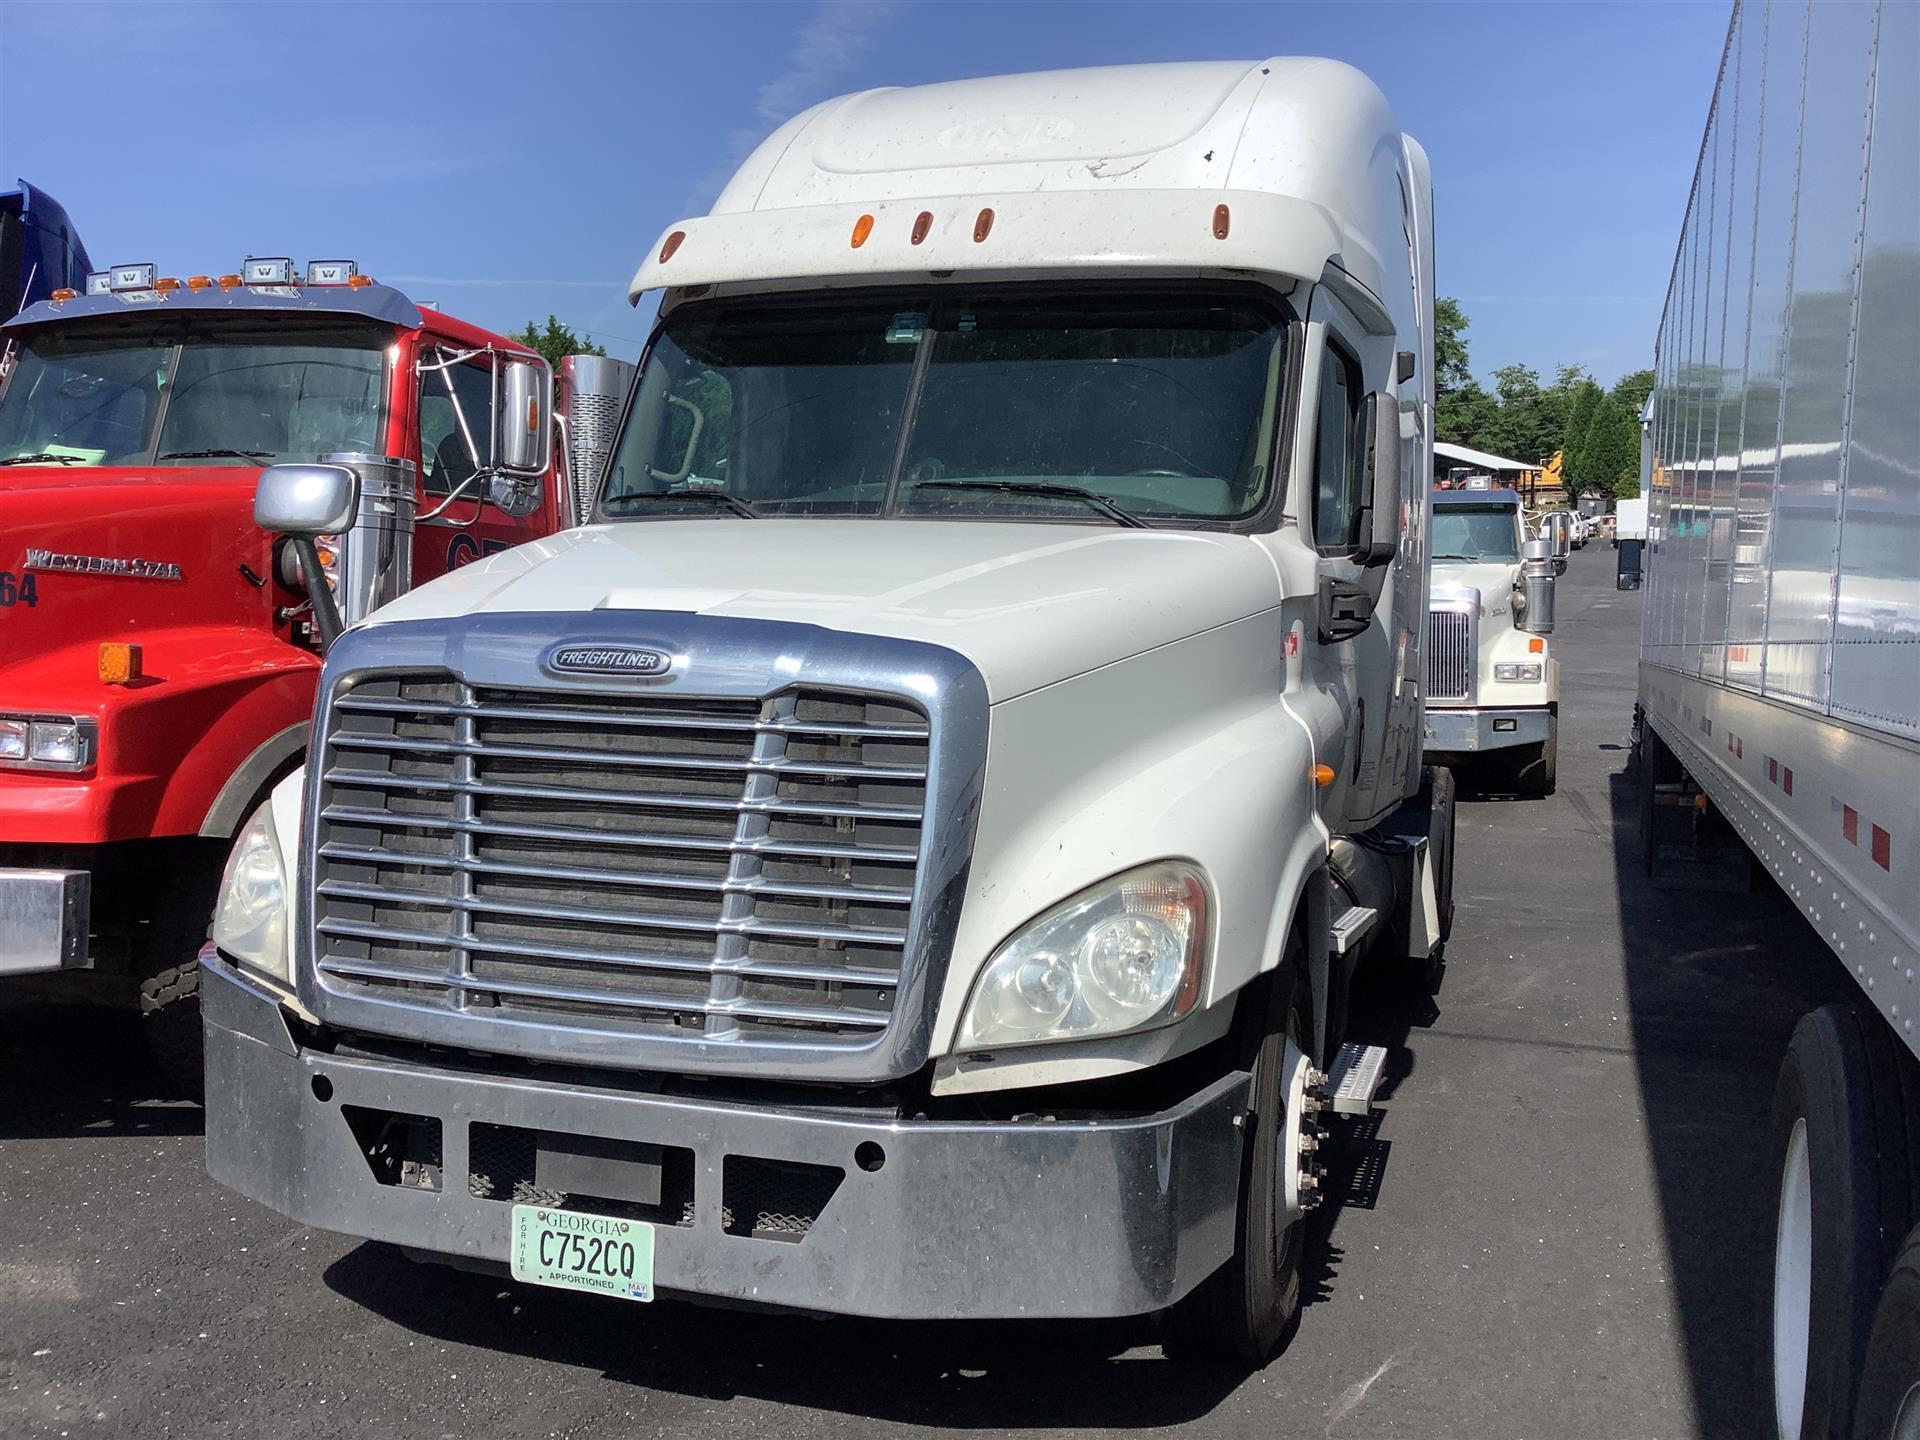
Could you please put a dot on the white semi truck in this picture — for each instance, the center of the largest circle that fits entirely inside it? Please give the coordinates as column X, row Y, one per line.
column 911, row 854
column 1780, row 652
column 1493, row 688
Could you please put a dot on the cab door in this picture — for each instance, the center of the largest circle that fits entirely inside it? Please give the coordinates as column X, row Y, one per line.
column 1364, row 653
column 454, row 425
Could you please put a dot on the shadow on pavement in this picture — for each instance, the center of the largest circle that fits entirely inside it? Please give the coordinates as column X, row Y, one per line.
column 73, row 1062
column 1715, row 983
column 979, row 1376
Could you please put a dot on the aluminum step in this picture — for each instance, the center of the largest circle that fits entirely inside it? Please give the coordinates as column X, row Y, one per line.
column 1350, row 927
column 1355, row 1078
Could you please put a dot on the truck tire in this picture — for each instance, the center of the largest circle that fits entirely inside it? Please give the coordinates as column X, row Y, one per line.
column 1889, row 1403
column 1843, row 1166
column 169, row 968
column 1243, row 1314
column 1538, row 772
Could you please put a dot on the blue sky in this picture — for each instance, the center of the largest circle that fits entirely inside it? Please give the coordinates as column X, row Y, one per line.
column 507, row 160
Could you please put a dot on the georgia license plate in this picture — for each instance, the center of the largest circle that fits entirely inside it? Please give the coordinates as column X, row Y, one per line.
column 601, row 1254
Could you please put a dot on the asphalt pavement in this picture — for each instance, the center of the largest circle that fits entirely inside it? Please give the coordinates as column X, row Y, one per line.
column 1552, row 1226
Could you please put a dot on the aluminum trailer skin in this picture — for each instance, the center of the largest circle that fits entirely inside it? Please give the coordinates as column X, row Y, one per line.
column 1780, row 651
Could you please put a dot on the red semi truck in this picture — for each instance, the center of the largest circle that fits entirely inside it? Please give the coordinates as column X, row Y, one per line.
column 158, row 652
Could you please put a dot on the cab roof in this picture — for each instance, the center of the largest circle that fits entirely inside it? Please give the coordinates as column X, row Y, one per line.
column 372, row 302
column 1497, row 495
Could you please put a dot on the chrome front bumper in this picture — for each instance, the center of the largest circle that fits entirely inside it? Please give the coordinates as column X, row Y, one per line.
column 958, row 1220
column 1466, row 731
column 43, row 920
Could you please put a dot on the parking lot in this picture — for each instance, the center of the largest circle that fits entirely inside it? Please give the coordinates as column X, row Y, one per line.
column 1553, row 1225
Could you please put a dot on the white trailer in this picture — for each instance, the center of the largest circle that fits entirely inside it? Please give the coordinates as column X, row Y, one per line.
column 1780, row 651
column 910, row 855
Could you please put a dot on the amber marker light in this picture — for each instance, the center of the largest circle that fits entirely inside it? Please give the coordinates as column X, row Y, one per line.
column 166, row 285
column 1322, row 776
column 199, row 282
column 862, row 228
column 922, row 223
column 62, row 295
column 1536, row 646
column 229, row 282
column 1222, row 221
column 982, row 226
column 119, row 663
column 359, row 282
column 671, row 244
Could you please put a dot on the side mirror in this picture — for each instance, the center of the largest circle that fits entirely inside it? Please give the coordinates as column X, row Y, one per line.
column 300, row 502
column 523, row 419
column 305, row 499
column 1380, row 529
column 1628, row 576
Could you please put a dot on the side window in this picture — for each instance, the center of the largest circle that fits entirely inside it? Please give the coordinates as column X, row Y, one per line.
column 445, row 459
column 1337, row 459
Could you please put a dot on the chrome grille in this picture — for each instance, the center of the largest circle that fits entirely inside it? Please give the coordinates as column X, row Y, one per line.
column 1450, row 657
column 640, row 862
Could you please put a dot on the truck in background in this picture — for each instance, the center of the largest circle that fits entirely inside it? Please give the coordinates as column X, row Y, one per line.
column 158, row 654
column 1493, row 687
column 1779, row 694
column 911, row 854
column 40, row 251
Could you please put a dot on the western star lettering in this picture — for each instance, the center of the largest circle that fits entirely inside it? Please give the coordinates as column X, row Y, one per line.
column 102, row 565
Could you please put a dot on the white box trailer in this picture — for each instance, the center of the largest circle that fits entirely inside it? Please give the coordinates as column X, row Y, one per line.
column 1780, row 650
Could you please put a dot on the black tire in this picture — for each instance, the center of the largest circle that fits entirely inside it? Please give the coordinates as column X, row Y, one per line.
column 1244, row 1313
column 170, row 983
column 1538, row 771
column 1889, row 1404
column 1840, row 1113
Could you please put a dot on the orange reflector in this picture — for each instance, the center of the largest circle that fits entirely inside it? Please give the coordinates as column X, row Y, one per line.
column 672, row 244
column 62, row 295
column 1322, row 776
column 166, row 285
column 1536, row 646
column 533, row 417
column 922, row 223
column 1222, row 218
column 229, row 282
column 862, row 228
column 119, row 663
column 199, row 282
column 983, row 226
column 358, row 282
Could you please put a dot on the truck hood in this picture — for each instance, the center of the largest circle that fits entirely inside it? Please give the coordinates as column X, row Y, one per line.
column 200, row 520
column 1493, row 581
column 1028, row 604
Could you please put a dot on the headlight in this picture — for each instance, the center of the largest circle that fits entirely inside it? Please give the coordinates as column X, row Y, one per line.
column 250, row 924
column 1517, row 672
column 1125, row 955
column 50, row 742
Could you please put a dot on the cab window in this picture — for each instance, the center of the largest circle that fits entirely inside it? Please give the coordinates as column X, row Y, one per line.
column 1337, row 453
column 446, row 460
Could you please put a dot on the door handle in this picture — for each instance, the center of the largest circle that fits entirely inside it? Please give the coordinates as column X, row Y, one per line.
column 1346, row 610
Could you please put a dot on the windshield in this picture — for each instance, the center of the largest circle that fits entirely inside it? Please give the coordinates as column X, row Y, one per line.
column 1462, row 532
column 1098, row 408
column 195, row 395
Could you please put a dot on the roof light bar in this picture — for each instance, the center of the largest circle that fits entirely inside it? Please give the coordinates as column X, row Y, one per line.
column 271, row 270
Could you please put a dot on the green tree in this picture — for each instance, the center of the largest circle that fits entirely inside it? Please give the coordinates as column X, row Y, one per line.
column 1573, row 435
column 1610, row 453
column 1450, row 372
column 1631, row 390
column 557, row 341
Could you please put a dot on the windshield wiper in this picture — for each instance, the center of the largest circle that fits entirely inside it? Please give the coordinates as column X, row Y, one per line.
column 710, row 497
column 45, row 457
column 1034, row 487
column 217, row 455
